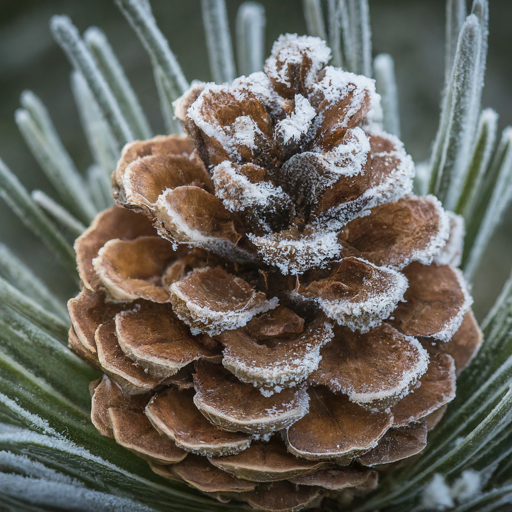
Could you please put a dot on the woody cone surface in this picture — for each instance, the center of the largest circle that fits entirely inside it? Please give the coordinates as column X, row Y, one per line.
column 277, row 318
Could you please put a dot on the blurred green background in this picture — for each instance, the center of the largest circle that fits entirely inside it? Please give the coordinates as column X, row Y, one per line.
column 411, row 31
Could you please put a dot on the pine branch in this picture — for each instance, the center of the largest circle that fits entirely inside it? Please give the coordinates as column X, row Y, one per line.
column 250, row 37
column 21, row 277
column 314, row 18
column 385, row 82
column 41, row 137
column 115, row 77
column 155, row 43
column 66, row 34
column 218, row 39
column 452, row 139
column 58, row 213
column 497, row 194
column 170, row 81
column 26, row 307
column 97, row 131
column 479, row 163
column 335, row 31
column 166, row 95
column 100, row 186
column 360, row 57
column 16, row 196
column 455, row 17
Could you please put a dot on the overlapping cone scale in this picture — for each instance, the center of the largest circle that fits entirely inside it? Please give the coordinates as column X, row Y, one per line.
column 276, row 316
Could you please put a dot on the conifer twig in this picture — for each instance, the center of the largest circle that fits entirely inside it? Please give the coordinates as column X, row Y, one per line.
column 334, row 11
column 66, row 34
column 41, row 137
column 97, row 132
column 451, row 140
column 250, row 36
column 34, row 218
column 116, row 78
column 385, row 82
column 218, row 39
column 58, row 213
column 20, row 276
column 314, row 18
column 455, row 17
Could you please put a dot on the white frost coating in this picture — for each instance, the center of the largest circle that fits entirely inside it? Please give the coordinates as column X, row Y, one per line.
column 296, row 256
column 283, row 415
column 285, row 373
column 396, row 185
column 259, row 84
column 59, row 443
column 453, row 325
column 223, row 321
column 438, row 240
column 403, row 383
column 295, row 126
column 337, row 84
column 214, row 322
column 291, row 49
column 238, row 193
column 173, row 227
column 468, row 486
column 262, row 437
column 181, row 103
column 64, row 496
column 34, row 469
column 364, row 315
column 436, row 495
column 349, row 157
column 214, row 448
column 244, row 129
column 451, row 253
column 35, row 421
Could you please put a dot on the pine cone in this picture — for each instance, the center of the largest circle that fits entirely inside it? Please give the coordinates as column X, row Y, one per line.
column 274, row 312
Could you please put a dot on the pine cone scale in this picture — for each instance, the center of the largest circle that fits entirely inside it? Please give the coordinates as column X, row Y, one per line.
column 267, row 462
column 238, row 407
column 173, row 414
column 336, row 429
column 397, row 444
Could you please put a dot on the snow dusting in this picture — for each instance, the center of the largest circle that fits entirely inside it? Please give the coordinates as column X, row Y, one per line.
column 296, row 255
column 451, row 253
column 238, row 193
column 272, row 376
column 436, row 495
column 468, row 486
column 293, row 50
column 204, row 319
column 397, row 184
column 294, row 127
column 267, row 419
column 362, row 314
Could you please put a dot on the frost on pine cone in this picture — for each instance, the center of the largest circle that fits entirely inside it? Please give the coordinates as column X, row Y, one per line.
column 276, row 316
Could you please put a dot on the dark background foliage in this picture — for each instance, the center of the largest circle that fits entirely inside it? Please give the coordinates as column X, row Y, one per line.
column 411, row 31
